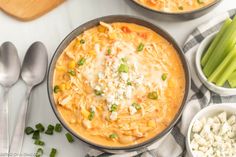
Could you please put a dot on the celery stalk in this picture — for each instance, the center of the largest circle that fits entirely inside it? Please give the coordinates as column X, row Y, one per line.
column 232, row 80
column 223, row 65
column 215, row 42
column 228, row 71
column 225, row 44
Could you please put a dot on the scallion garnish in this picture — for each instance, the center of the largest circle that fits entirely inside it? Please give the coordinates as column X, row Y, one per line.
column 113, row 107
column 164, row 76
column 82, row 41
column 71, row 72
column 123, row 68
column 112, row 136
column 29, row 130
column 56, row 89
column 98, row 92
column 124, row 60
column 180, row 7
column 81, row 61
column 49, row 130
column 129, row 83
column 69, row 137
column 39, row 142
column 53, row 152
column 39, row 152
column 39, row 127
column 91, row 115
column 140, row 47
column 58, row 127
column 152, row 95
column 109, row 51
column 137, row 106
column 36, row 135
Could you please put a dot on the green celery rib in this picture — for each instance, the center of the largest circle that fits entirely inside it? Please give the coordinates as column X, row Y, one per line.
column 215, row 42
column 232, row 80
column 225, row 44
column 223, row 66
column 228, row 71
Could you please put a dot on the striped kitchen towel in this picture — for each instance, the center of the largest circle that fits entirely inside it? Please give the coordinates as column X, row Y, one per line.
column 200, row 97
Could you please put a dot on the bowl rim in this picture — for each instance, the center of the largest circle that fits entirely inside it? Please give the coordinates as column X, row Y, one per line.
column 179, row 13
column 200, row 51
column 111, row 19
column 204, row 112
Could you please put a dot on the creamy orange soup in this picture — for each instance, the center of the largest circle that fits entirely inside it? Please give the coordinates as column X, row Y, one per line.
column 118, row 84
column 175, row 5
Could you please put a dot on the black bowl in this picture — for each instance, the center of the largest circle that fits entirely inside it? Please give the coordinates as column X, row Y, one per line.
column 187, row 15
column 111, row 19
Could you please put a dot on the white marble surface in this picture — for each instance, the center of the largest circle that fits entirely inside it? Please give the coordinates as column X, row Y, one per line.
column 51, row 29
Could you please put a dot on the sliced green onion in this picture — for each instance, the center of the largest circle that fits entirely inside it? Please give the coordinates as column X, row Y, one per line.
column 39, row 152
column 29, row 130
column 71, row 72
column 36, row 135
column 69, row 137
column 114, row 107
column 91, row 115
column 82, row 41
column 124, row 60
column 112, row 136
column 38, row 142
column 137, row 106
column 81, row 61
column 58, row 127
column 40, row 127
column 98, row 92
column 140, row 47
column 164, row 76
column 53, row 152
column 109, row 51
column 129, row 83
column 181, row 8
column 49, row 130
column 152, row 95
column 200, row 1
column 56, row 89
column 123, row 68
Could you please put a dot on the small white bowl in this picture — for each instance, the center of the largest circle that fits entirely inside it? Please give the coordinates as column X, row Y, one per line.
column 223, row 91
column 209, row 111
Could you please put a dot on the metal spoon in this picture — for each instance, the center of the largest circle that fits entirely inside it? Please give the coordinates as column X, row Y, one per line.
column 9, row 74
column 33, row 73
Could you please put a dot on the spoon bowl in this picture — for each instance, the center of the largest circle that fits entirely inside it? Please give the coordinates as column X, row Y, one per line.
column 35, row 64
column 9, row 64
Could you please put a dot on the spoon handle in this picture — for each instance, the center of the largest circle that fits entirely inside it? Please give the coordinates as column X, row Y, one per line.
column 4, row 137
column 18, row 135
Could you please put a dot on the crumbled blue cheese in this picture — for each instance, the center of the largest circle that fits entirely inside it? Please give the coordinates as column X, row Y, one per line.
column 132, row 110
column 113, row 116
column 124, row 76
column 214, row 136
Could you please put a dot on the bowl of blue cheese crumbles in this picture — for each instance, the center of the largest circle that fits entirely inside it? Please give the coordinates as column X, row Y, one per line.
column 212, row 132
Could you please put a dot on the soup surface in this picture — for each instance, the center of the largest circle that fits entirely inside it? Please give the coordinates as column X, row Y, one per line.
column 118, row 84
column 175, row 5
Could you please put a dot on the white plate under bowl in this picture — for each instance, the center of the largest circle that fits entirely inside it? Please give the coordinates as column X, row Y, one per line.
column 223, row 91
column 209, row 111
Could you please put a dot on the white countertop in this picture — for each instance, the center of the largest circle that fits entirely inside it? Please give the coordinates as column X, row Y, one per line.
column 51, row 29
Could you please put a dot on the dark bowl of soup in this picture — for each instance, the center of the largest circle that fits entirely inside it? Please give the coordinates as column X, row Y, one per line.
column 177, row 9
column 118, row 83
